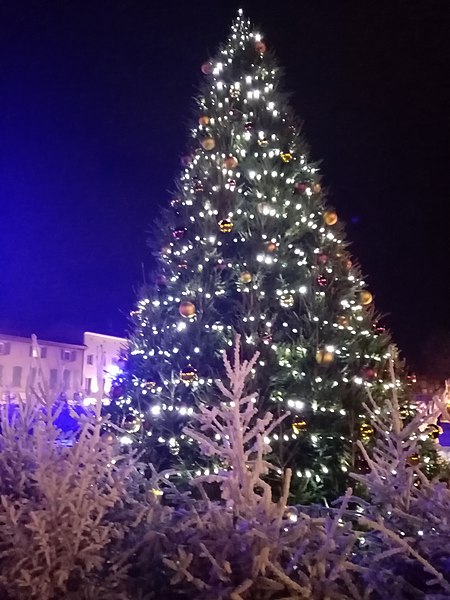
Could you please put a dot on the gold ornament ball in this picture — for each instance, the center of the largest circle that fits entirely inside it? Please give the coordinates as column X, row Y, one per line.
column 330, row 217
column 413, row 460
column 263, row 142
column 225, row 226
column 316, row 188
column 366, row 431
column 132, row 424
column 187, row 310
column 208, row 143
column 271, row 247
column 246, row 277
column 230, row 162
column 342, row 321
column 299, row 426
column 324, row 357
column 203, row 120
column 260, row 47
column 110, row 438
column 286, row 157
column 433, row 431
column 188, row 374
column 365, row 297
column 286, row 300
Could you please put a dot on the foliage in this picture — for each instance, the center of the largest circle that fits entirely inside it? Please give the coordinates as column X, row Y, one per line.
column 68, row 507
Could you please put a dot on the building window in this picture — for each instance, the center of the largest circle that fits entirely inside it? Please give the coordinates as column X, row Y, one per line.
column 53, row 379
column 5, row 348
column 66, row 379
column 88, row 385
column 68, row 355
column 90, row 359
column 34, row 352
column 17, row 376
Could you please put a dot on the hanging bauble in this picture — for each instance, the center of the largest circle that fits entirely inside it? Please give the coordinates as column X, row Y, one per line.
column 264, row 208
column 186, row 160
column 231, row 184
column 179, row 233
column 246, row 277
column 324, row 356
column 322, row 281
column 188, row 374
column 198, row 186
column 316, row 188
column 369, row 373
column 248, row 126
column 187, row 310
column 413, row 460
column 132, row 424
column 379, row 328
column 322, row 259
column 109, row 437
column 225, row 226
column 347, row 263
column 116, row 391
column 260, row 47
column 230, row 162
column 150, row 384
column 342, row 320
column 433, row 431
column 207, row 68
column 365, row 297
column 300, row 188
column 176, row 201
column 271, row 247
column 204, row 120
column 286, row 157
column 330, row 217
column 286, row 300
column 263, row 142
column 299, row 426
column 366, row 431
column 183, row 264
column 208, row 143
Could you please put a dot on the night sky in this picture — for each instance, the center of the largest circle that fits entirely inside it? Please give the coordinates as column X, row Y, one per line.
column 95, row 102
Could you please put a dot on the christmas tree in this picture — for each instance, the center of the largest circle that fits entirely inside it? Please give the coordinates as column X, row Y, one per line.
column 249, row 244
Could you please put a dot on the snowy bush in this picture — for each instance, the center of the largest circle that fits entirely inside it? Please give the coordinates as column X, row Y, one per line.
column 68, row 507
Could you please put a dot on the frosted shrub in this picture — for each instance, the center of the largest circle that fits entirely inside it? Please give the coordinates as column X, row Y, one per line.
column 66, row 514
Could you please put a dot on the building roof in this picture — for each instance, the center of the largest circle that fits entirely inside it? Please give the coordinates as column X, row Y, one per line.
column 27, row 340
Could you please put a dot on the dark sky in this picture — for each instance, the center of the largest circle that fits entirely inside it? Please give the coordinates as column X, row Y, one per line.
column 95, row 99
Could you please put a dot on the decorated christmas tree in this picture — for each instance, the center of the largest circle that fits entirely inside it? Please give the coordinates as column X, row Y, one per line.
column 249, row 243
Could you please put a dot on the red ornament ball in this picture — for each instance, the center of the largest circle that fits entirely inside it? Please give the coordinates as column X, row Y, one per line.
column 179, row 233
column 322, row 281
column 300, row 188
column 207, row 68
column 260, row 47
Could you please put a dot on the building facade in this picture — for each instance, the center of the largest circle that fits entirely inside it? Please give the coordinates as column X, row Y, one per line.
column 75, row 370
